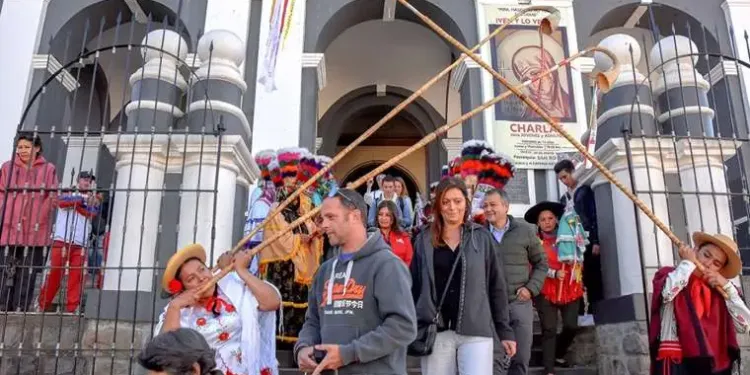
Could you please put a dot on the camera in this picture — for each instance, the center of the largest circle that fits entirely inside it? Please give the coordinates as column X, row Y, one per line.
column 318, row 355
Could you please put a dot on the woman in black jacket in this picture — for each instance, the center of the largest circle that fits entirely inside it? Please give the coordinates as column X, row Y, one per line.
column 475, row 306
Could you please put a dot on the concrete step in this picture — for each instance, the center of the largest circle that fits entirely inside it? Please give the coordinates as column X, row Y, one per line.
column 286, row 366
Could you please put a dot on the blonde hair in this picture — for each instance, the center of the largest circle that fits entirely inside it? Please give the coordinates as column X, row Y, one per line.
column 404, row 190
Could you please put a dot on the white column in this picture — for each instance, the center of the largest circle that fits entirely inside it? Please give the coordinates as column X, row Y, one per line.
column 704, row 186
column 231, row 15
column 215, row 164
column 136, row 210
column 197, row 215
column 21, row 23
column 657, row 248
column 737, row 14
column 141, row 164
column 277, row 112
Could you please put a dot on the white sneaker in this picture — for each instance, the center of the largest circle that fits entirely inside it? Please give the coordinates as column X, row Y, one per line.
column 586, row 320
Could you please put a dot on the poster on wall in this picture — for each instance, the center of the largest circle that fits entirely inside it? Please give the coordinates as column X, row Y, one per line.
column 520, row 53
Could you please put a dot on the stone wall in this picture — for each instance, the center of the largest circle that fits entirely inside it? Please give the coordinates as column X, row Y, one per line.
column 623, row 348
column 49, row 345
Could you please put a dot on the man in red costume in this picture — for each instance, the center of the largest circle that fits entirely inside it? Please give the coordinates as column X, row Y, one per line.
column 693, row 328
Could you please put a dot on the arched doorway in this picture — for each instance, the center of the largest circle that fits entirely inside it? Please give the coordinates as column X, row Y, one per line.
column 356, row 111
column 395, row 171
column 90, row 95
column 371, row 44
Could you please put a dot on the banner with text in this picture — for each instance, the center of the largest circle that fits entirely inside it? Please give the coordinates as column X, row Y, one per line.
column 520, row 53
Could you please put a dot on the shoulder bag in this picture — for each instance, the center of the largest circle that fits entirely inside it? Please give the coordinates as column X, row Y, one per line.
column 426, row 335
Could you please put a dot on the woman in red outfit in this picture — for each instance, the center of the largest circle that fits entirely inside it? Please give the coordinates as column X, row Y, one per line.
column 562, row 290
column 392, row 234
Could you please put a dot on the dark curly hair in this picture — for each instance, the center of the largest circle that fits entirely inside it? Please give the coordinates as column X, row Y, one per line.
column 176, row 352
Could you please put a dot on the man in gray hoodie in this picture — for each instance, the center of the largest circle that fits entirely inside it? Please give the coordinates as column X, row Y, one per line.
column 360, row 310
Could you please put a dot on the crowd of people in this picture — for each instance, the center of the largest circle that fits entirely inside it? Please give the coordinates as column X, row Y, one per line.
column 451, row 278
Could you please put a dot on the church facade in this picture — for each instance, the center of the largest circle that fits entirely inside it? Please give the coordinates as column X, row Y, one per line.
column 167, row 101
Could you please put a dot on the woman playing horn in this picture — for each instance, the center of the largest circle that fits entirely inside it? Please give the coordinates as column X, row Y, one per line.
column 236, row 316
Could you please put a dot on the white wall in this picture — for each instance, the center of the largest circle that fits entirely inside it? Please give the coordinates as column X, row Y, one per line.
column 397, row 53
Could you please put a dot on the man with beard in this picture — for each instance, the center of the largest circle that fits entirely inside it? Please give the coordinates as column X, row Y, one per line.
column 361, row 315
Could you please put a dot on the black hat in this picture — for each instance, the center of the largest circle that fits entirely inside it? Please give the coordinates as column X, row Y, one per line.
column 532, row 215
column 86, row 174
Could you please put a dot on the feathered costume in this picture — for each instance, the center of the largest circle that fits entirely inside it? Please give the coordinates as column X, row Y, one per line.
column 483, row 169
column 470, row 163
column 291, row 261
column 454, row 167
column 310, row 165
column 495, row 170
column 261, row 207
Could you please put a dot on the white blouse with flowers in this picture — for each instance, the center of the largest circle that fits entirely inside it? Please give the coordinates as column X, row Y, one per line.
column 242, row 336
column 223, row 332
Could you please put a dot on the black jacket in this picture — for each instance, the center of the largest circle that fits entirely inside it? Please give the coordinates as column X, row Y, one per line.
column 585, row 206
column 484, row 298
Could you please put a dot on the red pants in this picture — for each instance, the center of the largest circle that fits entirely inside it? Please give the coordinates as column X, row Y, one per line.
column 62, row 253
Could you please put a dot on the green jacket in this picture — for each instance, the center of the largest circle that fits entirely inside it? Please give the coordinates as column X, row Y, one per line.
column 521, row 247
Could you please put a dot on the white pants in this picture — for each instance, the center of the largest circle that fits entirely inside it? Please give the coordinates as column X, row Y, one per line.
column 456, row 354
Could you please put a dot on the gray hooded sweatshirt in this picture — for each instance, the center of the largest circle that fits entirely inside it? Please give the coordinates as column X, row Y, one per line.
column 362, row 303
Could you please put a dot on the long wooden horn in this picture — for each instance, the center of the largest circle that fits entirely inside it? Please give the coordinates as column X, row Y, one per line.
column 549, row 23
column 556, row 125
column 424, row 141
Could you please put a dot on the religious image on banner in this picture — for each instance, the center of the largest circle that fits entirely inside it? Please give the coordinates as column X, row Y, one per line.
column 520, row 53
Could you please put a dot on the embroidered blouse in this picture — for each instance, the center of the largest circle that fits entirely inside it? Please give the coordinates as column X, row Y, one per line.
column 223, row 332
column 678, row 279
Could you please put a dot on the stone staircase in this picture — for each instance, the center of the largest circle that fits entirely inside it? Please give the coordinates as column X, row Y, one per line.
column 582, row 356
column 58, row 344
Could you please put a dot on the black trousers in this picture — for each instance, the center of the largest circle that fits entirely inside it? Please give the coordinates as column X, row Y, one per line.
column 554, row 345
column 592, row 280
column 19, row 269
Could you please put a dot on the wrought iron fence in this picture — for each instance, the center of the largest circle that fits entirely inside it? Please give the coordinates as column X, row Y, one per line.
column 686, row 140
column 168, row 166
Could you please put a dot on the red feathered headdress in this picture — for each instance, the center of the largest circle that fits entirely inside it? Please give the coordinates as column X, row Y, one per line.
column 308, row 167
column 263, row 159
column 496, row 169
column 289, row 159
column 471, row 153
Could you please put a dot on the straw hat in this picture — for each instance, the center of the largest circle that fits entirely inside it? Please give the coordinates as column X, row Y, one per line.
column 178, row 259
column 726, row 244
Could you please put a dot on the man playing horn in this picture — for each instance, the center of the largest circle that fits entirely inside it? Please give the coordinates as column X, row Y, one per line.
column 693, row 328
column 291, row 261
